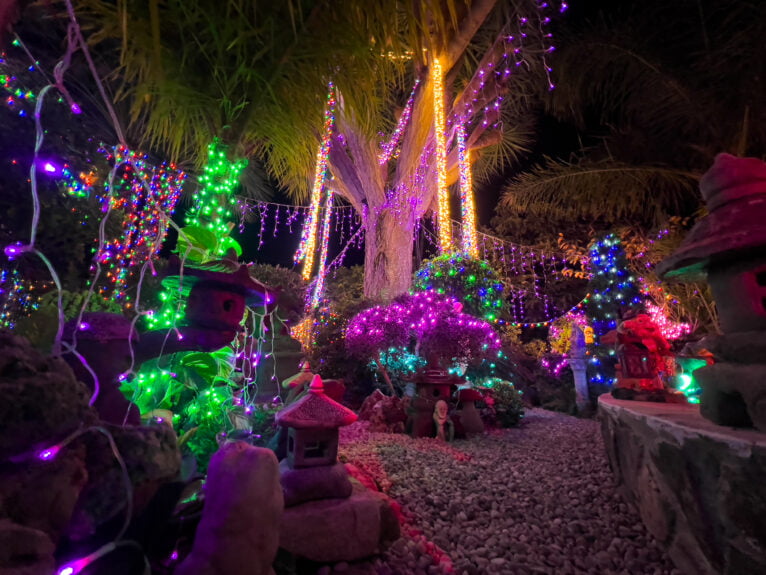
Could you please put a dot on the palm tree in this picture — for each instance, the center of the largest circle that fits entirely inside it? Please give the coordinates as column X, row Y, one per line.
column 255, row 75
column 656, row 94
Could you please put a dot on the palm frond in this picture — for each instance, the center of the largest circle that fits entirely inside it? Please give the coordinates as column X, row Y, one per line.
column 601, row 190
column 617, row 73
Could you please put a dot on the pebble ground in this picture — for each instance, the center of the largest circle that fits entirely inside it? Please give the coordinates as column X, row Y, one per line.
column 535, row 499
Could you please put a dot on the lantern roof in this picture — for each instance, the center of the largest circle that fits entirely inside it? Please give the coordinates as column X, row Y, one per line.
column 225, row 275
column 734, row 190
column 305, row 375
column 316, row 410
column 437, row 376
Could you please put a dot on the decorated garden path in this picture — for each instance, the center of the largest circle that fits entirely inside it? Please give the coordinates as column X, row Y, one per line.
column 534, row 499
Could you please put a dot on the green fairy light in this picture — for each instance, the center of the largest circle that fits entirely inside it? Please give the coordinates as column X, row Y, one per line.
column 471, row 281
column 212, row 203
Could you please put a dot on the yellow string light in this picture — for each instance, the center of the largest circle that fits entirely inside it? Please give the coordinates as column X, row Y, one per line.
column 467, row 205
column 307, row 245
column 443, row 219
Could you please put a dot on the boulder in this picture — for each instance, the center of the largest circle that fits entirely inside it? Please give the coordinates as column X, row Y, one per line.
column 42, row 402
column 42, row 494
column 333, row 530
column 25, row 551
column 369, row 403
column 151, row 457
column 312, row 483
column 387, row 414
column 239, row 530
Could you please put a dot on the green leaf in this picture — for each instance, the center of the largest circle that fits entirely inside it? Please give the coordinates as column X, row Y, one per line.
column 205, row 364
column 227, row 243
column 196, row 243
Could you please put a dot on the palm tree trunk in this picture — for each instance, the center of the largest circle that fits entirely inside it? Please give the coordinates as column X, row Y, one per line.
column 388, row 254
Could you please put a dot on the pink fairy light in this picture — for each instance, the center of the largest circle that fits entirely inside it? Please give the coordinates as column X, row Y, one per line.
column 389, row 149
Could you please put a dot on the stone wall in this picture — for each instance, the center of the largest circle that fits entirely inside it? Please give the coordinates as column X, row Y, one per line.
column 700, row 488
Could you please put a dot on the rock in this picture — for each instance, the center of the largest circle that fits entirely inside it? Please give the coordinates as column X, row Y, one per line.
column 42, row 494
column 312, row 483
column 385, row 413
column 25, row 551
column 362, row 477
column 152, row 458
column 239, row 530
column 42, row 402
column 365, row 412
column 333, row 530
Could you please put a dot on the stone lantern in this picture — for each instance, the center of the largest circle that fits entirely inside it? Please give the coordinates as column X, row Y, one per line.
column 312, row 425
column 311, row 470
column 431, row 386
column 728, row 247
column 218, row 294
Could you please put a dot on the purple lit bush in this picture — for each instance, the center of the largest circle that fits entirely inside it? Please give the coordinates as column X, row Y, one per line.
column 430, row 325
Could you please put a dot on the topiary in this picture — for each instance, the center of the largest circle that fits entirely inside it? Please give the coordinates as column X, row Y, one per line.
column 470, row 281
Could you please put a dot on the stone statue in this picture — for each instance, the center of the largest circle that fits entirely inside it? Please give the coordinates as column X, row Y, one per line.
column 445, row 429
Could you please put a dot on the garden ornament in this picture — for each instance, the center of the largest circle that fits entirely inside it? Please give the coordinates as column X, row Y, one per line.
column 445, row 429
column 728, row 248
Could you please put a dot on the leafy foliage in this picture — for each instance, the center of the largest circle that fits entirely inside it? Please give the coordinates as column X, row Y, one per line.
column 470, row 281
column 41, row 325
column 648, row 106
column 195, row 390
column 507, row 403
column 428, row 324
column 290, row 287
column 596, row 189
column 344, row 299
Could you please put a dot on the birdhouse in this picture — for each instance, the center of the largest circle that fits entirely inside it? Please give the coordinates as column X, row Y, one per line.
column 312, row 425
column 728, row 246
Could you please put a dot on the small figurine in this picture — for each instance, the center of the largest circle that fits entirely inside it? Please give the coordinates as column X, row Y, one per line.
column 445, row 429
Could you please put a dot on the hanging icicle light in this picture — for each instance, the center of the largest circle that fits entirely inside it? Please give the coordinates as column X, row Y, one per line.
column 307, row 246
column 443, row 219
column 467, row 206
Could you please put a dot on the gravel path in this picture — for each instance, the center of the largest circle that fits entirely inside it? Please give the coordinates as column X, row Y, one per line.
column 534, row 499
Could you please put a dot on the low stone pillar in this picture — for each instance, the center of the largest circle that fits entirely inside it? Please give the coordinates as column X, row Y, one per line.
column 700, row 488
column 579, row 368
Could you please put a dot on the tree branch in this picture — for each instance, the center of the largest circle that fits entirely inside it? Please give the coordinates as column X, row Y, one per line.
column 470, row 24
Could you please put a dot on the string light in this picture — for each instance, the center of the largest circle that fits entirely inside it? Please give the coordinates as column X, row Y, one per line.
column 472, row 282
column 147, row 195
column 307, row 247
column 433, row 320
column 467, row 206
column 390, row 149
column 580, row 305
column 316, row 296
column 217, row 182
column 440, row 135
column 16, row 298
column 670, row 329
